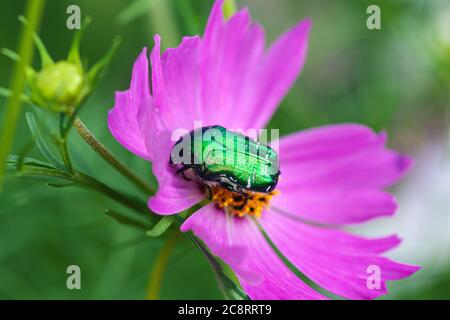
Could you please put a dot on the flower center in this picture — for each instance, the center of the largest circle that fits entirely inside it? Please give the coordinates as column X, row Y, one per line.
column 251, row 203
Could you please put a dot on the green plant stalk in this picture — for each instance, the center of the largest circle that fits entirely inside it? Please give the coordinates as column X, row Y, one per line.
column 229, row 8
column 34, row 9
column 140, row 207
column 107, row 155
column 92, row 183
column 160, row 265
column 62, row 144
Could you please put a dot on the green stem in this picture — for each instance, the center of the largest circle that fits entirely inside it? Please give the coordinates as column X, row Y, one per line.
column 229, row 289
column 160, row 265
column 107, row 155
column 33, row 14
column 93, row 183
column 62, row 144
column 229, row 8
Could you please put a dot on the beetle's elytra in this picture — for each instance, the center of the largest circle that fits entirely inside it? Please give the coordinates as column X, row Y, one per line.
column 217, row 156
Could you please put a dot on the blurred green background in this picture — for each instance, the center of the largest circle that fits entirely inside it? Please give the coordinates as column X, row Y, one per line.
column 396, row 79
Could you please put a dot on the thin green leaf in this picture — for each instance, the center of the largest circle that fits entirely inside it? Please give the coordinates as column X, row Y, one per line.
column 74, row 52
column 97, row 70
column 10, row 54
column 15, row 160
column 123, row 219
column 7, row 94
column 29, row 71
column 230, row 289
column 46, row 59
column 41, row 144
column 229, row 8
column 34, row 171
column 134, row 10
column 59, row 185
column 163, row 224
column 23, row 153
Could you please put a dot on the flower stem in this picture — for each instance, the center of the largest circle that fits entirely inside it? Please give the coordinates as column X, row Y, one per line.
column 160, row 265
column 111, row 193
column 62, row 145
column 34, row 9
column 83, row 179
column 229, row 8
column 107, row 155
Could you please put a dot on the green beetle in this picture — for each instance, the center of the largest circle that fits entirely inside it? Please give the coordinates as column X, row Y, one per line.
column 217, row 156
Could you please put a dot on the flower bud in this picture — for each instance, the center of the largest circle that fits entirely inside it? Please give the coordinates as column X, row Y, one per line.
column 60, row 83
column 64, row 85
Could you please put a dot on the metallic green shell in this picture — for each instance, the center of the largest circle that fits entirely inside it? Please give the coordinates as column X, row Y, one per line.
column 234, row 160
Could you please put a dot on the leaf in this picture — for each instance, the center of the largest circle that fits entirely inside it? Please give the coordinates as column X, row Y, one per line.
column 74, row 52
column 15, row 159
column 134, row 10
column 46, row 59
column 97, row 70
column 10, row 54
column 163, row 224
column 7, row 93
column 123, row 219
column 41, row 144
column 229, row 8
column 230, row 289
column 60, row 185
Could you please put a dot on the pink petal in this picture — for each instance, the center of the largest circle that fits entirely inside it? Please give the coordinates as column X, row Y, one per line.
column 334, row 174
column 174, row 194
column 241, row 84
column 336, row 261
column 280, row 68
column 339, row 156
column 175, row 83
column 335, row 206
column 122, row 119
column 240, row 244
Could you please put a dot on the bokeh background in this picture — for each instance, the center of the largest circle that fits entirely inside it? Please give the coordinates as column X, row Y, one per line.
column 395, row 79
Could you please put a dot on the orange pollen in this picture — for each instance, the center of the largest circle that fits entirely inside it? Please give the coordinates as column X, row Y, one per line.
column 251, row 203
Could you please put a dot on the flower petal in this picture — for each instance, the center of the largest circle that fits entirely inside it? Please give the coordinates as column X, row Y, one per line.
column 339, row 262
column 336, row 206
column 339, row 156
column 231, row 52
column 122, row 119
column 279, row 70
column 174, row 194
column 240, row 244
column 334, row 174
column 175, row 83
column 241, row 83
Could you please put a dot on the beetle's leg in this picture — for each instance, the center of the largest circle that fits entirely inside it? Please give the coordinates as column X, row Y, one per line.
column 210, row 193
column 181, row 171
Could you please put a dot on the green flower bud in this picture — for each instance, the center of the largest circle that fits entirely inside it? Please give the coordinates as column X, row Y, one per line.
column 64, row 85
column 60, row 83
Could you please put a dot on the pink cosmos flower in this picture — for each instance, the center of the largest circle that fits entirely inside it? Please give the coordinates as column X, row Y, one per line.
column 333, row 175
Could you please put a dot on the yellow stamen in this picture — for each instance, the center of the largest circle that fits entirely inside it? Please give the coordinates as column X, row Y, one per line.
column 251, row 203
